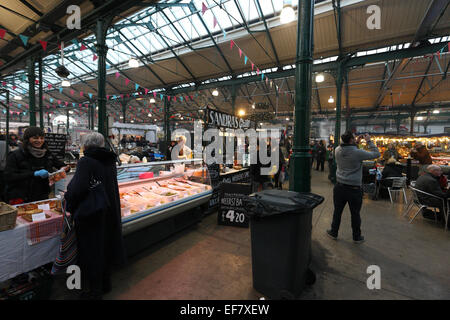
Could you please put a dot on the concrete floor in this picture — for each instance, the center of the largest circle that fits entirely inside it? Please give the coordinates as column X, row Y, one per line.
column 209, row 261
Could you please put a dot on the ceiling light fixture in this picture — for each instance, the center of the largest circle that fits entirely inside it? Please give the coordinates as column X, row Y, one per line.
column 152, row 100
column 133, row 63
column 149, row 114
column 215, row 93
column 17, row 98
column 320, row 78
column 65, row 83
column 436, row 111
column 331, row 100
column 253, row 106
column 419, row 118
column 288, row 13
column 242, row 112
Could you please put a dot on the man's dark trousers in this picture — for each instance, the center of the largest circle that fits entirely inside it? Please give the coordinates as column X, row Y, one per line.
column 341, row 195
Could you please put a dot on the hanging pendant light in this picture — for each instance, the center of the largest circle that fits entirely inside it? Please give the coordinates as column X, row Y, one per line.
column 288, row 13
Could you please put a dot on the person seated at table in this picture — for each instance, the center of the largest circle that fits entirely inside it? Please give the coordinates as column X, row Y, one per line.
column 27, row 169
column 391, row 152
column 392, row 169
column 429, row 183
column 420, row 153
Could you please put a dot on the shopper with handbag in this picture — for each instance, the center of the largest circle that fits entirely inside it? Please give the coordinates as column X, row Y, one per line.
column 93, row 199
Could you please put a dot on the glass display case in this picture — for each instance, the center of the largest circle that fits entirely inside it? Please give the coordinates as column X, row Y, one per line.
column 152, row 192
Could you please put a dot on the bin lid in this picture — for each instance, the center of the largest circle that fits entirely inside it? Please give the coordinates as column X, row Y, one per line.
column 272, row 202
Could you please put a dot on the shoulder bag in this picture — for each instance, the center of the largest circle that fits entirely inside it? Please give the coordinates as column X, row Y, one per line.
column 68, row 250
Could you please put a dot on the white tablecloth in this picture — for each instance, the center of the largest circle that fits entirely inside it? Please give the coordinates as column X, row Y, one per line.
column 17, row 256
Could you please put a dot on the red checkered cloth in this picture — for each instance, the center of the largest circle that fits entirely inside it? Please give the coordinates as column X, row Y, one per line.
column 42, row 230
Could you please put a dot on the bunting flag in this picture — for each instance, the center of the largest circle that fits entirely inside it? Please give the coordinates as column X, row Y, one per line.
column 224, row 34
column 71, row 92
column 154, row 95
column 253, row 65
column 136, row 86
column 90, row 95
column 127, row 81
column 2, row 33
column 161, row 96
column 231, row 44
column 240, row 53
column 117, row 75
column 14, row 87
column 60, row 90
column 51, row 100
column 204, row 8
column 59, row 101
column 107, row 97
column 43, row 44
column 215, row 22
column 24, row 39
column 94, row 57
column 81, row 93
column 146, row 91
column 49, row 86
column 36, row 81
column 83, row 47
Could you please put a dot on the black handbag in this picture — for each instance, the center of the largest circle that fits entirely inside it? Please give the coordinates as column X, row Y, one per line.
column 95, row 203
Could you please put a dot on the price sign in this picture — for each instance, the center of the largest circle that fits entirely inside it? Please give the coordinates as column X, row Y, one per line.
column 231, row 200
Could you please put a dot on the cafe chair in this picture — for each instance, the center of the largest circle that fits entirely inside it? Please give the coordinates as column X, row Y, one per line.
column 418, row 203
column 398, row 185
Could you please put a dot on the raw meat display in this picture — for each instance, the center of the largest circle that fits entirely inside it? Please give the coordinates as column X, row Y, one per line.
column 149, row 194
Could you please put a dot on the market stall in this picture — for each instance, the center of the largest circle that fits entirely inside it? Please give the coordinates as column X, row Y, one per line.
column 238, row 171
column 157, row 199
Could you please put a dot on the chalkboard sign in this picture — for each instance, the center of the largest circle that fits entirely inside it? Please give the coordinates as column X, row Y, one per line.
column 56, row 144
column 231, row 200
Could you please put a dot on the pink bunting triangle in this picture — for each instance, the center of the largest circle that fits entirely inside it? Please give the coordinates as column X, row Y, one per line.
column 240, row 53
column 168, row 98
column 81, row 93
column 59, row 101
column 107, row 97
column 146, row 91
column 154, row 94
column 231, row 44
column 72, row 92
column 2, row 33
column 94, row 57
column 43, row 44
column 49, row 86
column 253, row 65
column 449, row 47
column 127, row 81
column 117, row 75
column 215, row 22
column 204, row 8
column 14, row 87
column 36, row 81
column 83, row 47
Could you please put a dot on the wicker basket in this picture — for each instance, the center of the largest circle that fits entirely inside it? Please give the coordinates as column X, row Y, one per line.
column 8, row 215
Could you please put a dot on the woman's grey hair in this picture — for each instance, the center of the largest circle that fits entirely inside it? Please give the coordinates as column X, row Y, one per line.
column 92, row 140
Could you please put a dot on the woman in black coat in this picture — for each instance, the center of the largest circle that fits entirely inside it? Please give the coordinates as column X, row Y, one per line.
column 100, row 243
column 28, row 167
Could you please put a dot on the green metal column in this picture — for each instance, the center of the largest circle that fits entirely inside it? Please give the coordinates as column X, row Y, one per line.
column 233, row 99
column 41, row 102
column 300, row 172
column 166, row 125
column 102, row 49
column 124, row 111
column 337, row 128
column 348, row 120
column 31, row 91
column 7, row 122
column 397, row 123
column 413, row 114
column 67, row 121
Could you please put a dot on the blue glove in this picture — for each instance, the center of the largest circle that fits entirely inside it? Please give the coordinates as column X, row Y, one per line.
column 41, row 173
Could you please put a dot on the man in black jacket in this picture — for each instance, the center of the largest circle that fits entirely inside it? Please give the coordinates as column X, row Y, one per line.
column 429, row 183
